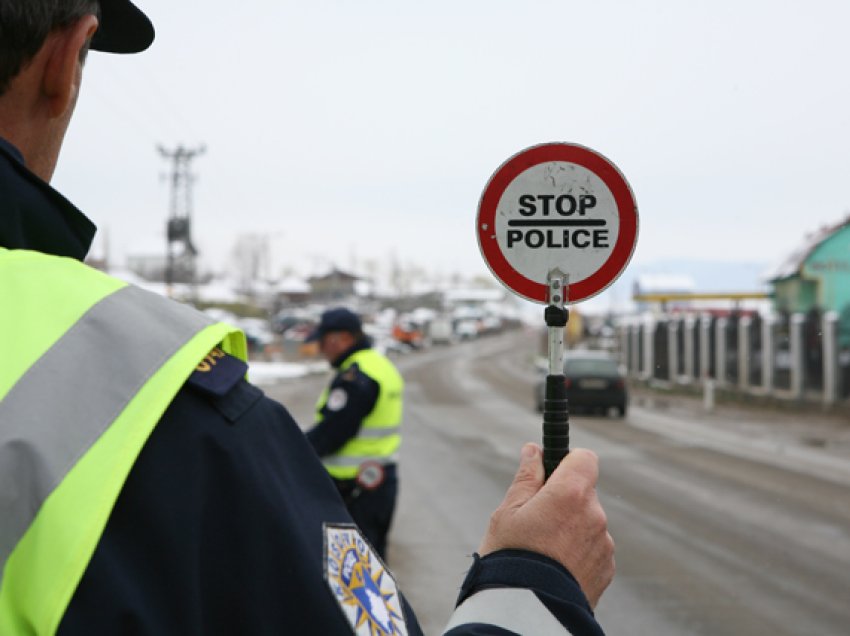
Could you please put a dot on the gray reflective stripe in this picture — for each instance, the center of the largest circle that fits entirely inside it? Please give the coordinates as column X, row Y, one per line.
column 344, row 461
column 379, row 433
column 71, row 395
column 515, row 609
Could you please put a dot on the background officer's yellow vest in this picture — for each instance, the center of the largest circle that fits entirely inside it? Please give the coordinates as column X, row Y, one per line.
column 89, row 366
column 379, row 436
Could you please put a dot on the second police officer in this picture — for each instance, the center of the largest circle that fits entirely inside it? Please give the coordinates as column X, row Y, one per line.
column 358, row 429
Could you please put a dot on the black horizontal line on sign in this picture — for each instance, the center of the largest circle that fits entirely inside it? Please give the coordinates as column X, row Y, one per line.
column 556, row 223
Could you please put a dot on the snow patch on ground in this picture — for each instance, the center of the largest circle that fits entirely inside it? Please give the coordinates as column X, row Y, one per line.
column 268, row 373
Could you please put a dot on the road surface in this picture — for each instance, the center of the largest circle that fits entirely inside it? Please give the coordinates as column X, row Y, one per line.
column 733, row 522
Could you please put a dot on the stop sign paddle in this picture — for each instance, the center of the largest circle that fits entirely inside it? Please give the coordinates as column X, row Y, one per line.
column 557, row 223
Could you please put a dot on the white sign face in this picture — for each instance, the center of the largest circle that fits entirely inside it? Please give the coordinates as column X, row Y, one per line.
column 557, row 215
column 557, row 208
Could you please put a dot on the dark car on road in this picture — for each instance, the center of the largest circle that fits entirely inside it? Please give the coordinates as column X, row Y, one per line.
column 594, row 382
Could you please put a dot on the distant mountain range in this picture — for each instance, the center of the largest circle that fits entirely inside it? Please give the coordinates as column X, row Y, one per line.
column 680, row 275
column 709, row 276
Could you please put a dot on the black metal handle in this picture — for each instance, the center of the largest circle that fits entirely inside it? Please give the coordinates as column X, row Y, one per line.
column 556, row 423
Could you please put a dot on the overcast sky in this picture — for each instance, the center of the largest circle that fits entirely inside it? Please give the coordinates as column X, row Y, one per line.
column 357, row 130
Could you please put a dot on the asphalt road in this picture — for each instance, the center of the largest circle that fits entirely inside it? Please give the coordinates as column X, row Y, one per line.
column 733, row 522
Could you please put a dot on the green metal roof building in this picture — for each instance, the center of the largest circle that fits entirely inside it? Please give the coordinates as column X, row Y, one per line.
column 817, row 276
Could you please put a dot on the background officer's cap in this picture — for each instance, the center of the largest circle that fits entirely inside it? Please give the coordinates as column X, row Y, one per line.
column 339, row 319
column 123, row 28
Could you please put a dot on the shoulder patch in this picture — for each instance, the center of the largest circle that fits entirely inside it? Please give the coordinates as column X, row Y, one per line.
column 362, row 585
column 337, row 399
column 218, row 373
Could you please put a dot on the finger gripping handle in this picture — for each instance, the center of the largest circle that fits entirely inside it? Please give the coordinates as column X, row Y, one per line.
column 556, row 423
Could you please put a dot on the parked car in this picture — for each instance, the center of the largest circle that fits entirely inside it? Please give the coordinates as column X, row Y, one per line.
column 466, row 329
column 408, row 333
column 440, row 331
column 594, row 382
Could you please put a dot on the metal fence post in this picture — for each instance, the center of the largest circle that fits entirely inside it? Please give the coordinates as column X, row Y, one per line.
column 688, row 326
column 796, row 353
column 720, row 352
column 649, row 327
column 624, row 346
column 830, row 358
column 673, row 349
column 704, row 340
column 768, row 352
column 634, row 357
column 744, row 352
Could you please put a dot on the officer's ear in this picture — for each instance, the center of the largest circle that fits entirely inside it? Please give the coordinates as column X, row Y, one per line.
column 63, row 71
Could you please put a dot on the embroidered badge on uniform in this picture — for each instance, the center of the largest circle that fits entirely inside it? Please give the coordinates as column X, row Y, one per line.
column 362, row 585
column 337, row 399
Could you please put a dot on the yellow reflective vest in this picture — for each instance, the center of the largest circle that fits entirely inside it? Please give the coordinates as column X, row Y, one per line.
column 379, row 436
column 89, row 366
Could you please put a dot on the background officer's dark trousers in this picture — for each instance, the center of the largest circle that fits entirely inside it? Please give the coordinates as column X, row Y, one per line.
column 372, row 510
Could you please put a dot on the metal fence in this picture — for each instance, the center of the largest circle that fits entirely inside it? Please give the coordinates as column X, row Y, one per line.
column 794, row 356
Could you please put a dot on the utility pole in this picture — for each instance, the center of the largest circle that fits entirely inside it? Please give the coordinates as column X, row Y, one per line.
column 179, row 224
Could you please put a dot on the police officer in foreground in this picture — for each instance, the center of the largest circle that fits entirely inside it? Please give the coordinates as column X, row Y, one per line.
column 358, row 429
column 145, row 486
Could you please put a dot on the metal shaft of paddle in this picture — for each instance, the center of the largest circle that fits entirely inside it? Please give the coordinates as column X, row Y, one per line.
column 556, row 424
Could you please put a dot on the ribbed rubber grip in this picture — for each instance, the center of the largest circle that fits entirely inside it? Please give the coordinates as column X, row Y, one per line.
column 556, row 423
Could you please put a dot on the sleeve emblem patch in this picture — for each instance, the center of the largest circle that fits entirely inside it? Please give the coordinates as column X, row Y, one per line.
column 337, row 399
column 365, row 590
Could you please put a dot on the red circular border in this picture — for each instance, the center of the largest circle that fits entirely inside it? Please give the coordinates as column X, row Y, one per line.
column 519, row 163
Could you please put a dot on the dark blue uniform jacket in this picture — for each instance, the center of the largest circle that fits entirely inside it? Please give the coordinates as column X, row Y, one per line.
column 219, row 527
column 340, row 425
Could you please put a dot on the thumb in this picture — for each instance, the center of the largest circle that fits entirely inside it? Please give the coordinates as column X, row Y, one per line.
column 529, row 477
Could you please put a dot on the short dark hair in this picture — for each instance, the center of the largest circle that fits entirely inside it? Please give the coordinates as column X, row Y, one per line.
column 25, row 25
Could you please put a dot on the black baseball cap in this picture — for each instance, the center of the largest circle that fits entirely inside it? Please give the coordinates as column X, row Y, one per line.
column 123, row 28
column 338, row 319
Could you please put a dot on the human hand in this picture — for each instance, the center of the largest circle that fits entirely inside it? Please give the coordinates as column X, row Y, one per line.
column 560, row 518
